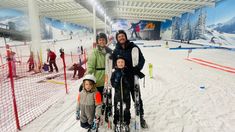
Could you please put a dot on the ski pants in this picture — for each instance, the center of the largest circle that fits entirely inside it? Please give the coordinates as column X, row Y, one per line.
column 132, row 89
column 31, row 66
column 141, row 102
column 126, row 113
column 53, row 62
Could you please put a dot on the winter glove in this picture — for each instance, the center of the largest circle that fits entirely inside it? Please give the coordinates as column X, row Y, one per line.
column 78, row 115
column 137, row 72
column 108, row 50
column 97, row 119
column 111, row 56
column 95, row 123
column 140, row 74
column 80, row 88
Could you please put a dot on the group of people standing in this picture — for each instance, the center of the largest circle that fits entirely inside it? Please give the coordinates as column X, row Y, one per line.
column 123, row 74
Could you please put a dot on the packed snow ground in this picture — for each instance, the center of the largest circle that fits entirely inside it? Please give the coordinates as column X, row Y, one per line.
column 173, row 99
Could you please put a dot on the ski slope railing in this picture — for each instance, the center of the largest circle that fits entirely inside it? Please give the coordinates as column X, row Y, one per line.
column 212, row 65
column 34, row 93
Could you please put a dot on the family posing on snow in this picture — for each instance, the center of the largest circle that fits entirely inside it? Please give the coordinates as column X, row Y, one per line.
column 90, row 106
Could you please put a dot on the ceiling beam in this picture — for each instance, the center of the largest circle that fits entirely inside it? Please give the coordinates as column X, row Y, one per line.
column 58, row 10
column 182, row 2
column 89, row 23
column 142, row 16
column 79, row 19
column 109, row 8
column 138, row 18
column 115, row 12
column 67, row 15
column 72, row 17
column 55, row 2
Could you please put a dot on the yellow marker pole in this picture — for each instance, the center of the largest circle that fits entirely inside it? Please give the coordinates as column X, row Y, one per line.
column 150, row 70
column 167, row 46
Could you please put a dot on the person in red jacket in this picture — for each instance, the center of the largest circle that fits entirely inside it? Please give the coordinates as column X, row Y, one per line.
column 51, row 58
column 31, row 62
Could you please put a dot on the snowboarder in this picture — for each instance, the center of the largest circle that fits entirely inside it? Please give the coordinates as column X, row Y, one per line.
column 88, row 103
column 124, row 48
column 120, row 83
column 135, row 30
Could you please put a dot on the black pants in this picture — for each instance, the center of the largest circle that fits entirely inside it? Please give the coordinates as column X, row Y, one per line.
column 31, row 66
column 126, row 113
column 86, row 125
column 141, row 102
column 133, row 97
column 52, row 62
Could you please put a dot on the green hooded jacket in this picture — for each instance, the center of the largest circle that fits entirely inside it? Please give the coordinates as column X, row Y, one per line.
column 96, row 66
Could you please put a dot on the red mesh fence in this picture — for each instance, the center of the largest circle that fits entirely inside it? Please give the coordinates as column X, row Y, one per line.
column 34, row 92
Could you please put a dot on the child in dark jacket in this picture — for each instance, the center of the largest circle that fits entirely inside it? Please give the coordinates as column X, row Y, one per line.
column 119, row 81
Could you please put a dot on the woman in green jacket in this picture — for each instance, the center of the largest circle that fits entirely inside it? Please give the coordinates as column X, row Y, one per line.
column 96, row 61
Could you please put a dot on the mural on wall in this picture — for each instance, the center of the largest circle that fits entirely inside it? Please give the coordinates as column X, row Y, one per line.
column 189, row 26
column 17, row 22
column 207, row 25
column 59, row 28
column 138, row 30
column 15, row 19
column 166, row 30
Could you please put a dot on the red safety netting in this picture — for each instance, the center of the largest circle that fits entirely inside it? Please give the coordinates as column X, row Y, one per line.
column 33, row 92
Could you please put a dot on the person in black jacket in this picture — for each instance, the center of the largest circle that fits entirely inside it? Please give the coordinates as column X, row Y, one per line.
column 124, row 48
column 119, row 81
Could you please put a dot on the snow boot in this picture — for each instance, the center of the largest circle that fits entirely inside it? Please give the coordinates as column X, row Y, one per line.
column 143, row 122
column 116, row 128
column 126, row 128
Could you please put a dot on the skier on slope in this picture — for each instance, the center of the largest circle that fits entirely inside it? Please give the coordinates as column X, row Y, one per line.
column 89, row 103
column 120, row 82
column 124, row 48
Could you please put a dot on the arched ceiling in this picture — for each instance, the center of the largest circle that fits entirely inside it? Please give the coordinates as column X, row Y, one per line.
column 80, row 11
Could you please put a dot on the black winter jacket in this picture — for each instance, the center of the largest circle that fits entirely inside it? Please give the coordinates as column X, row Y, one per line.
column 126, row 53
column 116, row 83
